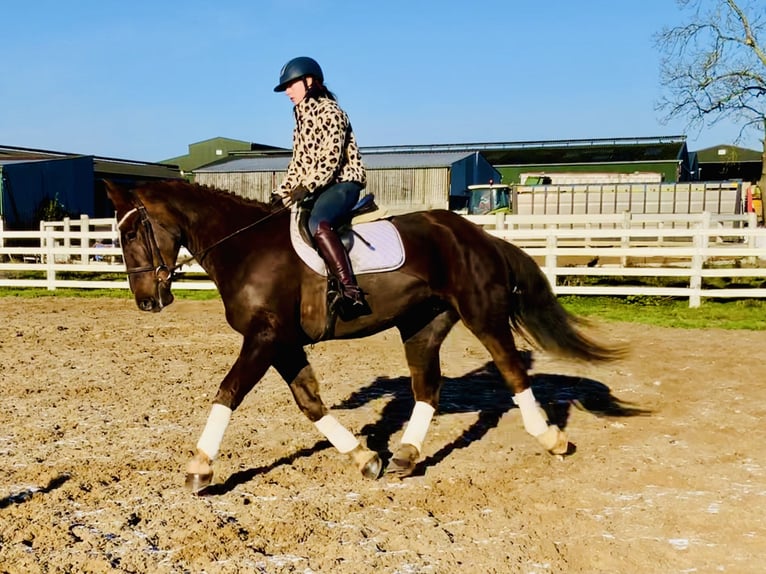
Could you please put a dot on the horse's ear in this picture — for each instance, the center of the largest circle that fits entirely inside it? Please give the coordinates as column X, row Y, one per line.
column 118, row 194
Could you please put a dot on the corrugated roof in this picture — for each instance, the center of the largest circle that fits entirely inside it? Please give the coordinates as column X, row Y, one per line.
column 401, row 160
column 247, row 164
column 650, row 152
column 413, row 159
column 108, row 166
column 8, row 161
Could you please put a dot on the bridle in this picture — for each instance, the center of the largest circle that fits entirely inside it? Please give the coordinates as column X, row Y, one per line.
column 162, row 272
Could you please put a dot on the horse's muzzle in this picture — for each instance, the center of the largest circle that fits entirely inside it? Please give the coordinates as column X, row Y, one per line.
column 154, row 305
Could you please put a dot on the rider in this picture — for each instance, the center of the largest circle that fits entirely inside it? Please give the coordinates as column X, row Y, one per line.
column 327, row 167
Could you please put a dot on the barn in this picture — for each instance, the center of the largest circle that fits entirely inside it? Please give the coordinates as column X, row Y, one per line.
column 213, row 150
column 616, row 160
column 728, row 162
column 40, row 185
column 405, row 178
column 401, row 180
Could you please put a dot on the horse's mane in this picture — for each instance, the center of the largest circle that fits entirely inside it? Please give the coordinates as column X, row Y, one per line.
column 186, row 187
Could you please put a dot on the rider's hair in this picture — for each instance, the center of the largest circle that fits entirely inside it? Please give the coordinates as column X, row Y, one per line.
column 319, row 90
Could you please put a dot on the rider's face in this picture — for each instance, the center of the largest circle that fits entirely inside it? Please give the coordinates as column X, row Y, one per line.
column 296, row 90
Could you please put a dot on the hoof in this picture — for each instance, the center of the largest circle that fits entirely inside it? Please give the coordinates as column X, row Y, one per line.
column 402, row 464
column 373, row 467
column 554, row 440
column 199, row 473
column 367, row 461
column 196, row 483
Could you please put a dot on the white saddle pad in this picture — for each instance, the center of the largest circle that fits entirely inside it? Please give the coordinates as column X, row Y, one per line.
column 376, row 247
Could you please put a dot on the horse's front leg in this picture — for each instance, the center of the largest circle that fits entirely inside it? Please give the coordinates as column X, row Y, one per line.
column 291, row 363
column 254, row 359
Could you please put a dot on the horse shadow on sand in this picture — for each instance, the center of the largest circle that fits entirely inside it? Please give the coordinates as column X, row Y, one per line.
column 481, row 391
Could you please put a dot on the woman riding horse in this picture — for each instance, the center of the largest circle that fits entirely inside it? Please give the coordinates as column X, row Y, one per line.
column 325, row 173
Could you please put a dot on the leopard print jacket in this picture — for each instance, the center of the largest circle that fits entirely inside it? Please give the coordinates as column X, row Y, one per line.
column 324, row 148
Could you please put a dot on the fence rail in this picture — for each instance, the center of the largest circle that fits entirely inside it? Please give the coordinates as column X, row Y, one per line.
column 690, row 248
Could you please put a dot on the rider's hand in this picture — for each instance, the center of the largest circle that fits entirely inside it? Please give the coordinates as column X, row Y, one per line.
column 298, row 194
column 276, row 199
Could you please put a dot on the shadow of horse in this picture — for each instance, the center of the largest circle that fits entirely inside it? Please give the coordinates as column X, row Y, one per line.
column 481, row 391
column 26, row 495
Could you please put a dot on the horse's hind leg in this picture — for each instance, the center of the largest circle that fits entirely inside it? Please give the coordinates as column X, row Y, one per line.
column 421, row 346
column 292, row 364
column 512, row 366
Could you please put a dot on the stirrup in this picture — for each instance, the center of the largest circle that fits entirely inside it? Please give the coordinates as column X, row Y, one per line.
column 352, row 304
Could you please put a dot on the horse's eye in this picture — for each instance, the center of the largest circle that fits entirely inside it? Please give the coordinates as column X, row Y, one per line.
column 130, row 236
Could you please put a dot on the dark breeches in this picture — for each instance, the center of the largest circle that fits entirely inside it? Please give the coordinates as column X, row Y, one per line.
column 333, row 204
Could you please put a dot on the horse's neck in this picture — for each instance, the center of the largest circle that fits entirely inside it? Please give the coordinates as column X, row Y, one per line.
column 209, row 224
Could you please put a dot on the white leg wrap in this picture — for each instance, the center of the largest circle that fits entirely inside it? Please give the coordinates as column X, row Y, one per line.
column 534, row 422
column 211, row 438
column 340, row 437
column 416, row 430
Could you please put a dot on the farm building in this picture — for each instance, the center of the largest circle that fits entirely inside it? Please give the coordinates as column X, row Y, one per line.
column 423, row 176
column 622, row 160
column 215, row 149
column 37, row 184
column 727, row 162
column 401, row 181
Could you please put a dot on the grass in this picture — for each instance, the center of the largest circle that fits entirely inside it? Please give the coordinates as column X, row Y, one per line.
column 747, row 314
column 32, row 293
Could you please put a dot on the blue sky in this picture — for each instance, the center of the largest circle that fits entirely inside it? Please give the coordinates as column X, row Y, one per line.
column 143, row 79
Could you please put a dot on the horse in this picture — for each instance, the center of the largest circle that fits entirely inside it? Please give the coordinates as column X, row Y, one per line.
column 450, row 270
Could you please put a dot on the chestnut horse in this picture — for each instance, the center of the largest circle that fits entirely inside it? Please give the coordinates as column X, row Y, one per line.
column 451, row 271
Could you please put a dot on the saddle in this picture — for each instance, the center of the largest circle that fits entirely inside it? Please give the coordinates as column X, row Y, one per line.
column 369, row 237
column 366, row 205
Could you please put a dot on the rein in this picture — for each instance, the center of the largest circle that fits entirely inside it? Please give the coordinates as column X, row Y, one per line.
column 163, row 273
column 199, row 256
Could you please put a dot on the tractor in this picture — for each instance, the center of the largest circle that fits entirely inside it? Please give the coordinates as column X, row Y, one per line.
column 486, row 199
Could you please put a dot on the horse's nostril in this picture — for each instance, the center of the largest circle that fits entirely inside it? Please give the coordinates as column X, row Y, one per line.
column 146, row 304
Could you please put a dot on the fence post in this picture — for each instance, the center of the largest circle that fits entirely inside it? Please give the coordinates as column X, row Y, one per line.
column 115, row 231
column 752, row 223
column 695, row 279
column 550, row 256
column 67, row 232
column 50, row 260
column 625, row 238
column 43, row 243
column 500, row 221
column 84, row 239
column 707, row 226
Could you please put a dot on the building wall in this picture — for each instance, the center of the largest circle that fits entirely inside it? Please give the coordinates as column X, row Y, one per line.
column 398, row 190
column 208, row 151
column 401, row 190
column 35, row 189
column 253, row 185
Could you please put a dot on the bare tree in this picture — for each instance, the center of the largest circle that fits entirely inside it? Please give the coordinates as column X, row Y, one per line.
column 714, row 66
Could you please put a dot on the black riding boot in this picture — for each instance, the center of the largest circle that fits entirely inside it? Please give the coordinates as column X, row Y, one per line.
column 351, row 303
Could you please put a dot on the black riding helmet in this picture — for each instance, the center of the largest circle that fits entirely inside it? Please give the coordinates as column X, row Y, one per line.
column 298, row 68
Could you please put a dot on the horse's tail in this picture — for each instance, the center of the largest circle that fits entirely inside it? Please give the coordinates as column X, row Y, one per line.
column 537, row 315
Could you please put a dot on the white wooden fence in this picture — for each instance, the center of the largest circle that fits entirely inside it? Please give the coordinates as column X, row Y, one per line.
column 691, row 248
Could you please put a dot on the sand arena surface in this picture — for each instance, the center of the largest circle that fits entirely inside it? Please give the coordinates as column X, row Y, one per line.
column 102, row 406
